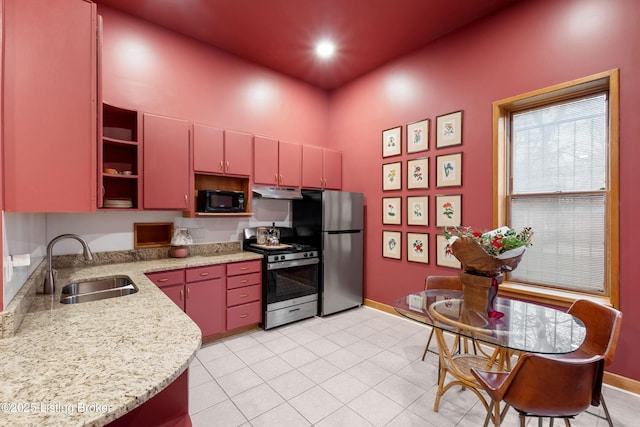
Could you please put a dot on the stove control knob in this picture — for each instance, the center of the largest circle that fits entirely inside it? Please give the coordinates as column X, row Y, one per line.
column 305, row 255
column 282, row 257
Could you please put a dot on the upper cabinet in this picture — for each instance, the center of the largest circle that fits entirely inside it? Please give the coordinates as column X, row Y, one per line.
column 166, row 163
column 321, row 168
column 50, row 106
column 277, row 162
column 119, row 159
column 218, row 151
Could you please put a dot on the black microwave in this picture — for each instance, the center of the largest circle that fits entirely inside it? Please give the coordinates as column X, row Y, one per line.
column 220, row 201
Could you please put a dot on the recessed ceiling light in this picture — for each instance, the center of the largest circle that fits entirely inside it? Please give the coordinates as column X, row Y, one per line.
column 325, row 49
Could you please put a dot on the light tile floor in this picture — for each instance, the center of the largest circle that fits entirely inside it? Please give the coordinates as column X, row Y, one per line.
column 361, row 367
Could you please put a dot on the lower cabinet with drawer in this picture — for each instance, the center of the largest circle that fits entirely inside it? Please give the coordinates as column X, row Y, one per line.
column 199, row 292
column 218, row 298
column 244, row 292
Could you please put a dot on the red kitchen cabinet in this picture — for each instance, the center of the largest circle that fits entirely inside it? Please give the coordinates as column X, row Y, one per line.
column 221, row 152
column 166, row 163
column 200, row 292
column 277, row 162
column 244, row 294
column 238, row 153
column 321, row 168
column 50, row 106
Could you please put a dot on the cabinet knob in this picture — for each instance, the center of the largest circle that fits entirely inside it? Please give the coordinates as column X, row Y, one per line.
column 188, row 293
column 227, row 165
column 280, row 179
column 275, row 178
column 244, row 268
column 181, row 295
column 204, row 273
column 244, row 281
column 186, row 201
column 244, row 295
column 164, row 279
column 242, row 316
column 221, row 166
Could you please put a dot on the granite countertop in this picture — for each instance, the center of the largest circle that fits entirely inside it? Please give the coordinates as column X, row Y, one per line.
column 87, row 364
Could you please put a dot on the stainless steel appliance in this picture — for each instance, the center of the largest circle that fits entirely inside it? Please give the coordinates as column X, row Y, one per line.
column 290, row 277
column 333, row 221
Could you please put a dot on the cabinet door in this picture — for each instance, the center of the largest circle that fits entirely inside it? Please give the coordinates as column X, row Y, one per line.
column 175, row 293
column 50, row 115
column 312, row 167
column 265, row 161
column 289, row 164
column 238, row 153
column 332, row 169
column 208, row 149
column 205, row 304
column 166, row 163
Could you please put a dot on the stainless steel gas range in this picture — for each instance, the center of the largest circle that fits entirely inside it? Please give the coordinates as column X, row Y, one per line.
column 290, row 277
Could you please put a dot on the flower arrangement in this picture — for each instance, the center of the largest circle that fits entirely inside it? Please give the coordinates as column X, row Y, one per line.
column 488, row 253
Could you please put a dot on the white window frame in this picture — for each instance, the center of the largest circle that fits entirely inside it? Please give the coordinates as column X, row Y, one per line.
column 607, row 81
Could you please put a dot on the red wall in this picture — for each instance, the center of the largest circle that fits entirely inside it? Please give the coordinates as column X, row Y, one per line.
column 154, row 70
column 532, row 45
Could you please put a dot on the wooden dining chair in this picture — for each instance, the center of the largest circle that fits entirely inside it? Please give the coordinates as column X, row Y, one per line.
column 444, row 282
column 602, row 326
column 543, row 386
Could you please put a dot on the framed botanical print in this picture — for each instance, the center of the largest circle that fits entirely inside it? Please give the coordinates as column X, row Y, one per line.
column 418, row 173
column 444, row 259
column 418, row 210
column 392, row 142
column 418, row 136
column 449, row 130
column 392, row 176
column 418, row 247
column 449, row 210
column 391, row 244
column 392, row 210
column 449, row 170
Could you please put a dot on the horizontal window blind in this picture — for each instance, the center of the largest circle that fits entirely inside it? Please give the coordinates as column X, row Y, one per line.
column 559, row 158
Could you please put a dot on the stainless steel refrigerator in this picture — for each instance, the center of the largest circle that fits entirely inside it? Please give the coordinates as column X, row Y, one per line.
column 333, row 221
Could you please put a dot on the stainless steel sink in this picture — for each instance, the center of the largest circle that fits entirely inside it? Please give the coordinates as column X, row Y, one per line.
column 93, row 290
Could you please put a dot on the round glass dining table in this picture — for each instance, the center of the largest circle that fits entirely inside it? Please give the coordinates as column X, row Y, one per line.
column 523, row 327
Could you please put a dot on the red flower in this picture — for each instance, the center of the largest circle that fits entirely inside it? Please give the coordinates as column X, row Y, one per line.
column 477, row 234
column 497, row 244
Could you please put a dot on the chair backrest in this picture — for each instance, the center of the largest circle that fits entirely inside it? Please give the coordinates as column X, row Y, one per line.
column 603, row 328
column 443, row 282
column 553, row 387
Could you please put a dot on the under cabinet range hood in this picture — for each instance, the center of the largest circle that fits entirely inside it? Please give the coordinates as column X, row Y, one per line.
column 282, row 193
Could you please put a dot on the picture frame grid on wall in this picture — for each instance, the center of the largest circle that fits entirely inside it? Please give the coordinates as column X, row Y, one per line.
column 449, row 129
column 417, row 136
column 449, row 170
column 418, row 210
column 418, row 173
column 392, row 142
column 448, row 208
column 392, row 176
column 444, row 259
column 391, row 244
column 418, row 247
column 392, row 210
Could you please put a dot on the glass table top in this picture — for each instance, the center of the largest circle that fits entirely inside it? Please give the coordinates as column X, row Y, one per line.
column 525, row 326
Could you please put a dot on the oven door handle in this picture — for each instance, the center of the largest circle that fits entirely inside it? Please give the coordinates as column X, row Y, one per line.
column 293, row 263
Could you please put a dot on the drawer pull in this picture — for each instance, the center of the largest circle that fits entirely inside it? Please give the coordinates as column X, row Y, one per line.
column 242, row 316
column 188, row 293
column 181, row 295
column 244, row 281
column 244, row 268
column 204, row 273
column 244, row 295
column 164, row 279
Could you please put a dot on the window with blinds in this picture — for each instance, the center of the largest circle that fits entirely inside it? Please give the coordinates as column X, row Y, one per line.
column 557, row 185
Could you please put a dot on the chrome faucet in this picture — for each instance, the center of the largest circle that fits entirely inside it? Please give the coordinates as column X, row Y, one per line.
column 49, row 284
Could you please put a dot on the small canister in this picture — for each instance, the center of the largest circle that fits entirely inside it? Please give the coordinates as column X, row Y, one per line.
column 261, row 236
